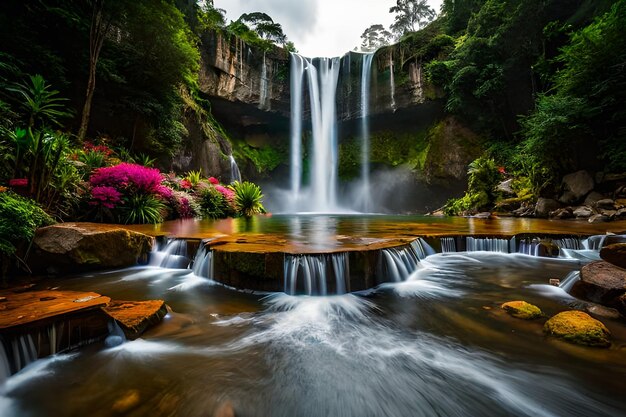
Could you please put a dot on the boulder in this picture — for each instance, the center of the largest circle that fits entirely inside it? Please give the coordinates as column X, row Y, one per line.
column 579, row 184
column 562, row 213
column 544, row 206
column 86, row 246
column 548, row 249
column 522, row 310
column 605, row 203
column 592, row 198
column 620, row 214
column 506, row 187
column 620, row 203
column 583, row 212
column 135, row 317
column 614, row 254
column 579, row 328
column 602, row 283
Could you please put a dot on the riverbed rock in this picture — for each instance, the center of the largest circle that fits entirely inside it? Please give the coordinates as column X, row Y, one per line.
column 562, row 213
column 605, row 203
column 522, row 310
column 75, row 247
column 129, row 400
column 547, row 249
column 615, row 254
column 135, row 317
column 579, row 328
column 598, row 218
column 583, row 212
column 577, row 185
column 544, row 206
column 592, row 198
column 602, row 283
column 620, row 214
column 602, row 311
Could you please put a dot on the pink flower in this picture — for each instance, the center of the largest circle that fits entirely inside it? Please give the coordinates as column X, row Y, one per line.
column 164, row 192
column 226, row 192
column 501, row 170
column 124, row 175
column 213, row 180
column 105, row 196
column 186, row 184
column 18, row 182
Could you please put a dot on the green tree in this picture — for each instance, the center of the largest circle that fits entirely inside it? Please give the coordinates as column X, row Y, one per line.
column 374, row 37
column 264, row 26
column 410, row 15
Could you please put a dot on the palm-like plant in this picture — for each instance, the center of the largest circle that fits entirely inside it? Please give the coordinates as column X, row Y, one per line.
column 41, row 102
column 142, row 208
column 248, row 198
column 194, row 177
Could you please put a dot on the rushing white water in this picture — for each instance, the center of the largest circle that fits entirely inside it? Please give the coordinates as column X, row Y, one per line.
column 263, row 93
column 312, row 274
column 5, row 367
column 297, row 77
column 235, row 174
column 569, row 281
column 397, row 264
column 486, row 244
column 173, row 255
column 365, row 197
column 203, row 262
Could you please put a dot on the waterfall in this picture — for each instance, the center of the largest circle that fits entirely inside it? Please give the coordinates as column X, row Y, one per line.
column 24, row 351
column 235, row 174
column 173, row 255
column 297, row 76
column 365, row 134
column 263, row 104
column 5, row 366
column 399, row 263
column 594, row 242
column 203, row 262
column 486, row 245
column 392, row 85
column 448, row 244
column 322, row 88
column 311, row 274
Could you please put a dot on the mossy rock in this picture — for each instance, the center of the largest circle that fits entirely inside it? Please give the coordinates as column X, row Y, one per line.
column 522, row 310
column 578, row 328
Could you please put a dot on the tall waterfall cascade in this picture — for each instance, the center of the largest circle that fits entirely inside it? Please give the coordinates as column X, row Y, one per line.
column 392, row 84
column 235, row 174
column 263, row 87
column 321, row 77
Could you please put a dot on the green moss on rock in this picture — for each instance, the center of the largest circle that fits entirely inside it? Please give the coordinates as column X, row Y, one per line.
column 522, row 310
column 579, row 328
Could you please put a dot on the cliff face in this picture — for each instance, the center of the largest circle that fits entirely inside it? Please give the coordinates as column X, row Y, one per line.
column 249, row 93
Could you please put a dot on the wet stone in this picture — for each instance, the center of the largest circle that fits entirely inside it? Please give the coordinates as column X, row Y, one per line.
column 522, row 310
column 579, row 328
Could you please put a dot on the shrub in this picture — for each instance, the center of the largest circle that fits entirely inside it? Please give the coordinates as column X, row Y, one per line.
column 19, row 218
column 213, row 204
column 248, row 198
column 142, row 208
column 130, row 177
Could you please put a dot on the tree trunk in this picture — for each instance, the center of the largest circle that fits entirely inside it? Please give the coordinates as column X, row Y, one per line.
column 97, row 33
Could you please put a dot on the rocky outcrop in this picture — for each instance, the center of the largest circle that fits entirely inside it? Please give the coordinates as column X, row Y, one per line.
column 75, row 247
column 579, row 328
column 522, row 310
column 602, row 283
column 545, row 206
column 135, row 317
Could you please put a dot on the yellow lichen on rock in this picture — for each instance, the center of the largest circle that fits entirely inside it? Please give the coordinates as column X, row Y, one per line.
column 522, row 310
column 579, row 328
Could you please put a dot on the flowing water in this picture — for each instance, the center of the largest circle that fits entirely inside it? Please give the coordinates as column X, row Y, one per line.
column 235, row 174
column 434, row 343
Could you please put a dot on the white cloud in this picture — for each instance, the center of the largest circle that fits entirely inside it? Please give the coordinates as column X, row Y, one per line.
column 319, row 27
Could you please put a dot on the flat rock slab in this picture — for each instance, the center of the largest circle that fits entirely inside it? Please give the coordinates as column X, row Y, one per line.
column 615, row 254
column 32, row 306
column 135, row 317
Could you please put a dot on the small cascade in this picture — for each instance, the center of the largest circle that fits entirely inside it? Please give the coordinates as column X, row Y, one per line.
column 366, row 70
column 313, row 274
column 486, row 244
column 203, row 262
column 569, row 243
column 5, row 366
column 569, row 281
column 528, row 246
column 235, row 174
column 263, row 93
column 297, row 77
column 392, row 85
column 399, row 263
column 172, row 255
column 448, row 244
column 23, row 351
column 594, row 242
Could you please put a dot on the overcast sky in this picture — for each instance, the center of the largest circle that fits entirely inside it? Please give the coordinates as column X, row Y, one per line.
column 319, row 27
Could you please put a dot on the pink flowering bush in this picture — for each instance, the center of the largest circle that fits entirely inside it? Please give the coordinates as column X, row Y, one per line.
column 105, row 196
column 213, row 180
column 130, row 177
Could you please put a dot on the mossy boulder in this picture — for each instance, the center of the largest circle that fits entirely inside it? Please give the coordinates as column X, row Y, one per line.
column 579, row 328
column 522, row 310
